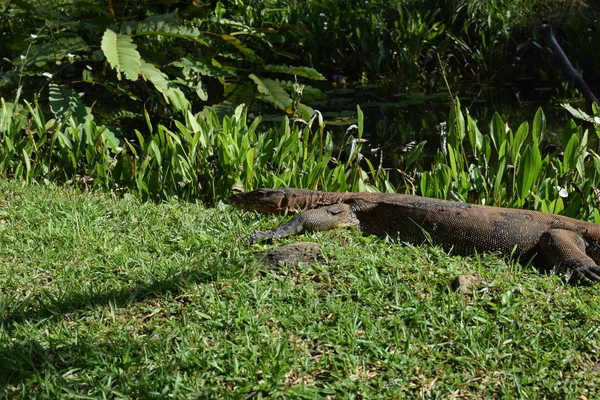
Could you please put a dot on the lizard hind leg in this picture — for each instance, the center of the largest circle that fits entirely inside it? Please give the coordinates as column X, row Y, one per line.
column 567, row 249
column 318, row 219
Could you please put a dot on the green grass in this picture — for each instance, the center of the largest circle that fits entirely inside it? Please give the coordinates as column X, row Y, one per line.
column 106, row 297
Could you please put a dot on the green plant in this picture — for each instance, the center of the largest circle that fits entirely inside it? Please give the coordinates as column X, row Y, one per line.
column 104, row 297
column 121, row 56
column 510, row 168
column 415, row 35
column 205, row 156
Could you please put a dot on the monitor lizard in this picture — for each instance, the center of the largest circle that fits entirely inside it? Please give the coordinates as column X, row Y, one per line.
column 550, row 240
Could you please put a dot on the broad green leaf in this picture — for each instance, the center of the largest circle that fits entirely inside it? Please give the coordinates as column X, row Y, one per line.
column 571, row 152
column 539, row 127
column 457, row 125
column 246, row 51
column 519, row 140
column 578, row 113
column 272, row 92
column 121, row 53
column 569, row 130
column 64, row 140
column 201, row 91
column 361, row 118
column 497, row 131
column 498, row 178
column 424, row 185
column 131, row 147
column 452, row 159
column 148, row 121
column 141, row 140
column 486, row 147
column 305, row 112
column 503, row 150
column 475, row 136
column 65, row 102
column 27, row 164
column 582, row 154
column 156, row 152
column 305, row 72
column 528, row 172
column 249, row 167
column 240, row 113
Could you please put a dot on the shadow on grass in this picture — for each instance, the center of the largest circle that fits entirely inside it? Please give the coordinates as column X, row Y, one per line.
column 25, row 358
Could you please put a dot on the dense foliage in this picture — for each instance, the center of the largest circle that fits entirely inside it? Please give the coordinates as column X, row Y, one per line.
column 207, row 156
column 114, row 96
column 118, row 60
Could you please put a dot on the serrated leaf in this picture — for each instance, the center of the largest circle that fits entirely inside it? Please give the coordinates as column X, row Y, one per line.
column 121, row 53
column 170, row 91
column 202, row 67
column 235, row 24
column 164, row 28
column 272, row 91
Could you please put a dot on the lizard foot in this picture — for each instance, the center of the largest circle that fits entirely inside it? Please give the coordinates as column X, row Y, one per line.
column 587, row 275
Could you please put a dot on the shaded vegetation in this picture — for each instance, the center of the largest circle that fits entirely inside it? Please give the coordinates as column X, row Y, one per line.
column 107, row 297
column 158, row 57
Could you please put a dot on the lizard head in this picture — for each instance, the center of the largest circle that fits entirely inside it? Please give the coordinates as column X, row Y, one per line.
column 261, row 200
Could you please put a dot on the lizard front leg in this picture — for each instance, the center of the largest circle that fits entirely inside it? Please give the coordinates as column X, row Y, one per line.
column 567, row 249
column 319, row 219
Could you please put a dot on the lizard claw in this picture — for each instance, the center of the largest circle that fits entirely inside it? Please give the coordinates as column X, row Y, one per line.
column 587, row 275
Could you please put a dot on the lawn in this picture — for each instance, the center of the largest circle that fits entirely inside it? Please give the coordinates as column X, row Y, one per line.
column 103, row 296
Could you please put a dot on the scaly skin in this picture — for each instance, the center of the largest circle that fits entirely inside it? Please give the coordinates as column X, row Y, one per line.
column 551, row 240
column 275, row 201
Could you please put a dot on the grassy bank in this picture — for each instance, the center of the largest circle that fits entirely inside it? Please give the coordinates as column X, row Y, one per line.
column 119, row 298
